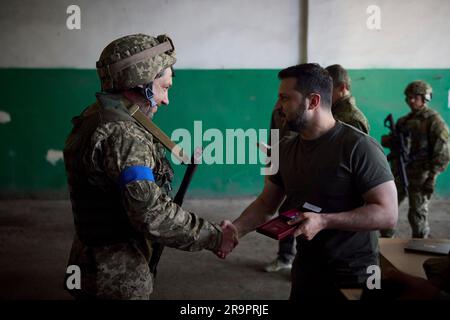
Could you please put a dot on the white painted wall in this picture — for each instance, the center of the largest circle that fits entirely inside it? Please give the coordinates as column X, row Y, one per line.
column 414, row 34
column 231, row 33
column 206, row 33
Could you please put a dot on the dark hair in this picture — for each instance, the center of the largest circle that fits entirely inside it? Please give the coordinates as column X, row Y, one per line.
column 311, row 78
column 339, row 75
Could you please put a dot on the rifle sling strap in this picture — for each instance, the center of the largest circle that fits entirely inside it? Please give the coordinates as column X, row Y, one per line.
column 142, row 119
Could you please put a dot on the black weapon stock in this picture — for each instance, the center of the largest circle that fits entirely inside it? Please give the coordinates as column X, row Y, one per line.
column 398, row 150
column 179, row 198
column 190, row 170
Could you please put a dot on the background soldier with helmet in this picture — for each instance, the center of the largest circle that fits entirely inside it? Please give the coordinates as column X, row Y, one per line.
column 120, row 180
column 426, row 143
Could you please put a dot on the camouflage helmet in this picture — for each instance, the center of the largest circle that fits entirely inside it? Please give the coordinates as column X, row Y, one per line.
column 134, row 60
column 419, row 87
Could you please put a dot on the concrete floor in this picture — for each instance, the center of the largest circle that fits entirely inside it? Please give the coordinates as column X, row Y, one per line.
column 35, row 239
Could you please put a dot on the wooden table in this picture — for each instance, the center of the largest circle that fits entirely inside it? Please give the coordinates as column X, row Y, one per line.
column 409, row 262
column 393, row 255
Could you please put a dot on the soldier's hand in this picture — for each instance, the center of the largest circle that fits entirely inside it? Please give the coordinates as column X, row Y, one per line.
column 309, row 224
column 229, row 239
column 386, row 141
column 428, row 186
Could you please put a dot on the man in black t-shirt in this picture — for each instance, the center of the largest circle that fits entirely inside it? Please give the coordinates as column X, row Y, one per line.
column 340, row 180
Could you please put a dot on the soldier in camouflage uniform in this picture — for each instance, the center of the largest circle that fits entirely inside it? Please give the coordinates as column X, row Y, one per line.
column 119, row 178
column 428, row 154
column 343, row 105
column 344, row 109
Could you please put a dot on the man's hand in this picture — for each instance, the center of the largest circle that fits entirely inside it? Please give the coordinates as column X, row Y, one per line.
column 309, row 224
column 229, row 239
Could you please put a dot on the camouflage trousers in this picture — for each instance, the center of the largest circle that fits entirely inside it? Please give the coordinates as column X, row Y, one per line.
column 118, row 272
column 418, row 208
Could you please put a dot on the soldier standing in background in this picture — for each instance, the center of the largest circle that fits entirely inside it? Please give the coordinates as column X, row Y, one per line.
column 344, row 106
column 426, row 142
column 343, row 109
column 120, row 180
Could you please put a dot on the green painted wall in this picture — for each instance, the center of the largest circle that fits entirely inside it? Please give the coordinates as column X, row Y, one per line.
column 41, row 103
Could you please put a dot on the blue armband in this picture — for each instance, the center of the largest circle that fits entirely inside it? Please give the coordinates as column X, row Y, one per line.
column 135, row 173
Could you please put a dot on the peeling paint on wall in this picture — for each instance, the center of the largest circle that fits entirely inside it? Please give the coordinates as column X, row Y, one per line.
column 4, row 117
column 53, row 156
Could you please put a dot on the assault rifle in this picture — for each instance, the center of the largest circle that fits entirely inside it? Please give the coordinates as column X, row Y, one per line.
column 398, row 151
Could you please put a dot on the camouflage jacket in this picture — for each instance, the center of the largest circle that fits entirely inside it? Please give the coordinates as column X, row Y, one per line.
column 345, row 110
column 117, row 220
column 426, row 141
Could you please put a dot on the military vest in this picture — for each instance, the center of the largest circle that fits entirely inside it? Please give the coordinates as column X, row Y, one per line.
column 99, row 216
column 416, row 127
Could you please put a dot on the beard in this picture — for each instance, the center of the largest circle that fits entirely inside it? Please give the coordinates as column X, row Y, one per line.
column 298, row 124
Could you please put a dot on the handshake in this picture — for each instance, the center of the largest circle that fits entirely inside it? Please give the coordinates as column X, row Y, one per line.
column 304, row 224
column 229, row 239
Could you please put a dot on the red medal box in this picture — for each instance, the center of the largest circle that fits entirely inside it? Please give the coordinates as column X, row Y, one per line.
column 278, row 228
